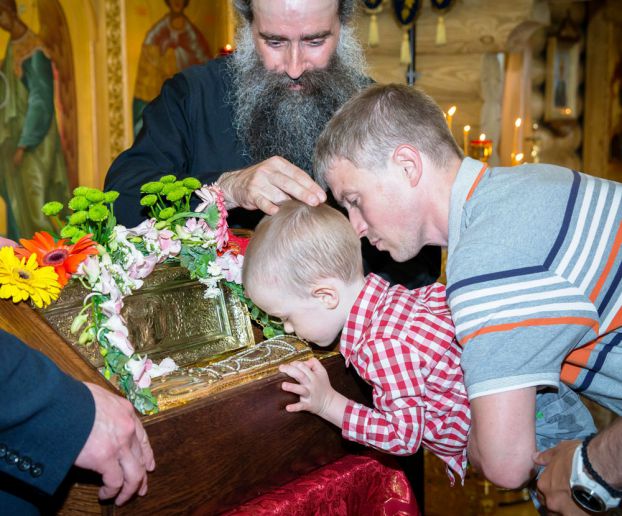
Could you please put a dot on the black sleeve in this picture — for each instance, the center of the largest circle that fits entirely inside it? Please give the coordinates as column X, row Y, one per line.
column 162, row 147
column 46, row 417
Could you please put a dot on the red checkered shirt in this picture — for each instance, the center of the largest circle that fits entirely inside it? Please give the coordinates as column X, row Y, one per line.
column 402, row 342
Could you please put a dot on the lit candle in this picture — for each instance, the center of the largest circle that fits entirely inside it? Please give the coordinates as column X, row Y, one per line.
column 480, row 149
column 450, row 115
column 519, row 158
column 516, row 147
column 465, row 139
column 226, row 50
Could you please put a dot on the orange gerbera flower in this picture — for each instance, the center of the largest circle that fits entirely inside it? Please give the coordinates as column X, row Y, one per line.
column 64, row 258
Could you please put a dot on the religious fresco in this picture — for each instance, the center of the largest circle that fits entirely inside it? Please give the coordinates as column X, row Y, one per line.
column 38, row 123
column 163, row 38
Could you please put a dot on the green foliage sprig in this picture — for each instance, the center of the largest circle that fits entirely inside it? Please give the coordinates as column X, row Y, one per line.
column 270, row 327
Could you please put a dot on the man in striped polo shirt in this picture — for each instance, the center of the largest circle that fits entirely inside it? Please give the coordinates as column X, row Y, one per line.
column 533, row 275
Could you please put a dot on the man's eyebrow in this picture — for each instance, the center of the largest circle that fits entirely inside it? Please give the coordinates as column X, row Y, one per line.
column 273, row 37
column 307, row 37
column 318, row 35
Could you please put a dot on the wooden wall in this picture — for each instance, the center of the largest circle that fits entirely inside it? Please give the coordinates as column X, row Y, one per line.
column 494, row 69
column 469, row 70
column 603, row 90
column 560, row 141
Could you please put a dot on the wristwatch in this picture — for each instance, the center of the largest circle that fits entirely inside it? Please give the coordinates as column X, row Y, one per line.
column 586, row 491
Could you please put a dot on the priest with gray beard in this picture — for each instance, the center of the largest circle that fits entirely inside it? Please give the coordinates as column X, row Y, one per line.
column 249, row 121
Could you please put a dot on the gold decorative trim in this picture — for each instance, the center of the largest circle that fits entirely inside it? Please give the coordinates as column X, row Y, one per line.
column 114, row 61
column 253, row 363
column 167, row 316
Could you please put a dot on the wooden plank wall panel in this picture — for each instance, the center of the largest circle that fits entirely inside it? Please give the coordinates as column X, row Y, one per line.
column 454, row 73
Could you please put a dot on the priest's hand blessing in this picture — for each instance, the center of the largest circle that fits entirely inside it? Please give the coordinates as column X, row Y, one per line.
column 315, row 391
column 267, row 184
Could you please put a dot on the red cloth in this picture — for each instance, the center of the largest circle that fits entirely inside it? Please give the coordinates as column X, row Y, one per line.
column 353, row 485
column 402, row 342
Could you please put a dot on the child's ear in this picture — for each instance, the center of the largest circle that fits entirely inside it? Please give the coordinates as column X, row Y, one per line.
column 326, row 294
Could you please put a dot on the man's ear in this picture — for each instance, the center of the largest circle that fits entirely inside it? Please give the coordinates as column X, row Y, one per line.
column 408, row 158
column 327, row 294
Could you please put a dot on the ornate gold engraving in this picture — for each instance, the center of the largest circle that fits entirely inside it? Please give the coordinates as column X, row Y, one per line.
column 168, row 316
column 114, row 52
column 243, row 367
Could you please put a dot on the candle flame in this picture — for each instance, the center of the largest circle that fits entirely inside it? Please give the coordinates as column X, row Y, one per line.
column 467, row 128
column 518, row 122
column 451, row 111
column 482, row 136
column 519, row 157
column 228, row 47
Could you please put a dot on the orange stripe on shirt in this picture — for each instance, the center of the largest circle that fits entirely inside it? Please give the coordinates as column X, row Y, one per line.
column 570, row 373
column 476, row 182
column 612, row 257
column 583, row 321
column 581, row 356
column 616, row 322
column 577, row 360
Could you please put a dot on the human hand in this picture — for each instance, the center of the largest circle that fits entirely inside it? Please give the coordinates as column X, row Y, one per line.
column 554, row 482
column 313, row 386
column 267, row 184
column 118, row 447
column 18, row 157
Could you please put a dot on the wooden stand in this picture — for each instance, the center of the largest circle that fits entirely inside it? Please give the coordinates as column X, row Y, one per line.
column 214, row 453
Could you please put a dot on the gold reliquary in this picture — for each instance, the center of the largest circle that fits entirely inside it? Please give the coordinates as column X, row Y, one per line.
column 211, row 339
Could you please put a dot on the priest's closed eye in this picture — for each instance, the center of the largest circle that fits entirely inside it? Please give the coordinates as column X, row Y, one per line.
column 316, row 42
column 275, row 43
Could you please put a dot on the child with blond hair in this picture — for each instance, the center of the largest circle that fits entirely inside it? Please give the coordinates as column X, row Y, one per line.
column 304, row 266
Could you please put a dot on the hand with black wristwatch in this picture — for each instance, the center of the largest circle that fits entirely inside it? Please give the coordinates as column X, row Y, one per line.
column 583, row 477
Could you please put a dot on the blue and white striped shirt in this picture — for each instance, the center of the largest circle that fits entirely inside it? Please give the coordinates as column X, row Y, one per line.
column 533, row 279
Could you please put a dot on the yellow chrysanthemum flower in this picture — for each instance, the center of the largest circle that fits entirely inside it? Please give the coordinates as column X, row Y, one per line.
column 21, row 280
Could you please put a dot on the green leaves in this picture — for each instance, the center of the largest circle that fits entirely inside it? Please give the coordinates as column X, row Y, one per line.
column 197, row 259
column 270, row 327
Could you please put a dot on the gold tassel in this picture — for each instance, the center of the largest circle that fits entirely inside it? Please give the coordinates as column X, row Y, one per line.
column 373, row 38
column 405, row 49
column 441, row 35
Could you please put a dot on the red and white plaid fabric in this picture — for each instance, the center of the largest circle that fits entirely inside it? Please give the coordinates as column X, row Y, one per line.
column 402, row 342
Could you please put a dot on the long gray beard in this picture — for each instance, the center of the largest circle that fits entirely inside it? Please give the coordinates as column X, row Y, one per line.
column 271, row 119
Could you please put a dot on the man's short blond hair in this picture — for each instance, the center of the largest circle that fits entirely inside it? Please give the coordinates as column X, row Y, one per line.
column 368, row 127
column 300, row 245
